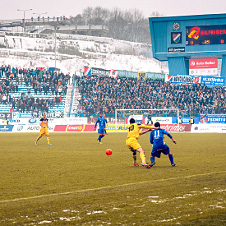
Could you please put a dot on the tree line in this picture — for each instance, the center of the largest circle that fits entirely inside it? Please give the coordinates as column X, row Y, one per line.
column 124, row 25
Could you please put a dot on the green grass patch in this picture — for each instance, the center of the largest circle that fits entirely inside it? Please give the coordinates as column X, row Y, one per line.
column 75, row 182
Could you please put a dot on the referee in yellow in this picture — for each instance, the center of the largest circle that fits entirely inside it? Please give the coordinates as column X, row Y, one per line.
column 133, row 145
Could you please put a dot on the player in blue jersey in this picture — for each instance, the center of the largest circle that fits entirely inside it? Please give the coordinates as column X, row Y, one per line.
column 101, row 127
column 158, row 144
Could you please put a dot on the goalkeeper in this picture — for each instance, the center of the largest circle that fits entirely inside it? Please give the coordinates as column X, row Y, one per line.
column 133, row 145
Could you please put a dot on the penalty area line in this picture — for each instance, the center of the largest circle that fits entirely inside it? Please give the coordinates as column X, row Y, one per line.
column 106, row 187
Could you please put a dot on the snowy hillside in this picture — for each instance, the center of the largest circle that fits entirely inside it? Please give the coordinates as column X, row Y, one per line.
column 74, row 52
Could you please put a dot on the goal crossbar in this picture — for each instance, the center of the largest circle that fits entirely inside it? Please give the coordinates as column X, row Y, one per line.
column 164, row 109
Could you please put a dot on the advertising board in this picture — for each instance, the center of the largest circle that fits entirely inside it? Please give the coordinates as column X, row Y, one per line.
column 213, row 81
column 206, row 66
column 100, row 72
column 138, row 118
column 168, row 127
column 191, row 80
column 71, row 121
column 29, row 128
column 176, row 49
column 162, row 120
column 52, row 121
column 120, row 127
column 182, row 79
column 208, row 128
column 6, row 128
column 74, row 128
column 213, row 118
column 5, row 115
column 174, row 127
column 185, row 120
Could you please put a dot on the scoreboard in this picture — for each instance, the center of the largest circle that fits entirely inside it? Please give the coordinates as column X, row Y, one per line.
column 206, row 35
column 178, row 39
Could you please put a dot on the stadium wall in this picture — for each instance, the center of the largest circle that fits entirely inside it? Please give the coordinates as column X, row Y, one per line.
column 205, row 123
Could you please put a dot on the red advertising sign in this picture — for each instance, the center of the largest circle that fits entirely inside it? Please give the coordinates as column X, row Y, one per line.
column 60, row 128
column 171, row 128
column 174, row 127
column 89, row 128
column 203, row 63
column 74, row 128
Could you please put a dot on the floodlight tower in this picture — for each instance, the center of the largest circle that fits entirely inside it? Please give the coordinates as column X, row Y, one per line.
column 24, row 10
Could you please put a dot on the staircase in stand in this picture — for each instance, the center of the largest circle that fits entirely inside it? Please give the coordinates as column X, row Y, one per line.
column 68, row 100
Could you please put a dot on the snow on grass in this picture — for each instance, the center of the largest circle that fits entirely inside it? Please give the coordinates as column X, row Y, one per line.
column 31, row 52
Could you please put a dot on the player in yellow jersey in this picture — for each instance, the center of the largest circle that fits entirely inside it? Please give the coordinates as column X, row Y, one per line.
column 133, row 145
column 44, row 129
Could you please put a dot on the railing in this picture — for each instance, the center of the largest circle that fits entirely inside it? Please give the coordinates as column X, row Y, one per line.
column 72, row 96
column 149, row 75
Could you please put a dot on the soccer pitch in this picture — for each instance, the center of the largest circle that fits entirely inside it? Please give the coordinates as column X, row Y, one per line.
column 73, row 182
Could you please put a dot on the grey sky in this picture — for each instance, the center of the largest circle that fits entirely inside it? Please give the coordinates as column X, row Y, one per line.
column 8, row 9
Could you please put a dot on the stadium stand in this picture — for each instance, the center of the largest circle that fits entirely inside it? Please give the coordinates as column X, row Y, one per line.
column 29, row 90
column 39, row 90
column 105, row 94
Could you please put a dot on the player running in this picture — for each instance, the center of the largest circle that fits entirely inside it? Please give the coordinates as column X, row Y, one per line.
column 101, row 127
column 159, row 146
column 133, row 145
column 44, row 129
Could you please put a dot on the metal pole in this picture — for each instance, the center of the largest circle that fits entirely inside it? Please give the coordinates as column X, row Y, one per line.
column 178, row 125
column 24, row 21
column 116, row 120
column 55, row 46
column 24, row 10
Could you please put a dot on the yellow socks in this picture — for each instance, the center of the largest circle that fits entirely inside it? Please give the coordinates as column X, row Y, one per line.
column 143, row 159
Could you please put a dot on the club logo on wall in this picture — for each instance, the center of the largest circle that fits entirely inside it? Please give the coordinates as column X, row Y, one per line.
column 141, row 76
column 176, row 26
column 176, row 37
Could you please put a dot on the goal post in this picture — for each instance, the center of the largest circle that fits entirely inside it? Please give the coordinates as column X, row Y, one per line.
column 147, row 115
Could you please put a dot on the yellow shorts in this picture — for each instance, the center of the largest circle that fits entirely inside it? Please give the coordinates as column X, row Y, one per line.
column 132, row 144
column 44, row 132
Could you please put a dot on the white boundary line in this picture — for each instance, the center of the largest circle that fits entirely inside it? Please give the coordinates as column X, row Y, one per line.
column 97, row 189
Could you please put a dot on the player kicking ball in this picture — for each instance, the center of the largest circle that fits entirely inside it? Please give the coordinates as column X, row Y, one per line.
column 101, row 127
column 44, row 129
column 133, row 145
column 158, row 144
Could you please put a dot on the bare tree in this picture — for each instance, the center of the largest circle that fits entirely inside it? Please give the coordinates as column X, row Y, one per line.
column 130, row 25
column 87, row 15
column 78, row 20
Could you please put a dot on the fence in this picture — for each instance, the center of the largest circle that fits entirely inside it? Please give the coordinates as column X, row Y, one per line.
column 149, row 75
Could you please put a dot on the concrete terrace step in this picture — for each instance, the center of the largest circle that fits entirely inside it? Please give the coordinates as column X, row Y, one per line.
column 22, row 88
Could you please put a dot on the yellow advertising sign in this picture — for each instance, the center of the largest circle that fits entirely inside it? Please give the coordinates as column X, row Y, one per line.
column 120, row 127
column 141, row 76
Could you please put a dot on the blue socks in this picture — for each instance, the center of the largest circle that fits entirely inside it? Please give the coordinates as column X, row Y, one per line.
column 99, row 138
column 152, row 159
column 171, row 159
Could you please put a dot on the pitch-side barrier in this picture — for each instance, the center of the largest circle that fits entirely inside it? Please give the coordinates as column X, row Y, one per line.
column 172, row 128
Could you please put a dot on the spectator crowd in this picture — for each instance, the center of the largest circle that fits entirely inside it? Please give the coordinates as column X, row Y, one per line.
column 37, row 81
column 105, row 94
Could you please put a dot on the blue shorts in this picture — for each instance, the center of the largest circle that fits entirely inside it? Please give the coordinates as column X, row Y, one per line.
column 156, row 152
column 101, row 131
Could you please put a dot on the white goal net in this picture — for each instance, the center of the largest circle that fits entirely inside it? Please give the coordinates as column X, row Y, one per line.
column 146, row 116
